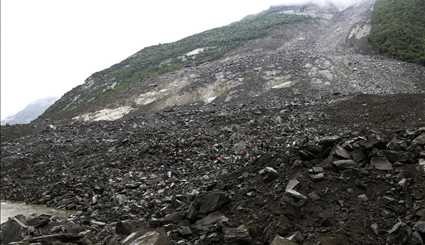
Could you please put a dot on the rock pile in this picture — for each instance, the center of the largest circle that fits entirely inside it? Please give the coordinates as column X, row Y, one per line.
column 360, row 188
column 276, row 176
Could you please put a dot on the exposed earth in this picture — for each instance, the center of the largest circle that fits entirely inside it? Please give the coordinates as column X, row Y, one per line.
column 300, row 137
column 316, row 52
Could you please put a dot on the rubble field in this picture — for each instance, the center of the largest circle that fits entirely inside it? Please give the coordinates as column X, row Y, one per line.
column 347, row 170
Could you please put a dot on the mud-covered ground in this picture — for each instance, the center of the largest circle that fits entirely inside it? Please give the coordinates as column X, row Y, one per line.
column 348, row 170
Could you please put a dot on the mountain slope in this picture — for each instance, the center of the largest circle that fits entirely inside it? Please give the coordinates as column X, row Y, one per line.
column 30, row 112
column 399, row 29
column 151, row 62
column 284, row 54
column 268, row 143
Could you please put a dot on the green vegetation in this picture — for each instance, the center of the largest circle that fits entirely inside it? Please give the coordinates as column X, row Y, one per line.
column 398, row 29
column 153, row 61
column 149, row 62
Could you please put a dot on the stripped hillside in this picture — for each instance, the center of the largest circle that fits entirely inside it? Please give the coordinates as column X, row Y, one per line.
column 134, row 73
column 272, row 57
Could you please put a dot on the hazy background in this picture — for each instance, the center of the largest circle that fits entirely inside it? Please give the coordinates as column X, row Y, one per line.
column 50, row 46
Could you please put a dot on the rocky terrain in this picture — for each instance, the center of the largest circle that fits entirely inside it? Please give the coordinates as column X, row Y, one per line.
column 269, row 57
column 302, row 136
column 349, row 172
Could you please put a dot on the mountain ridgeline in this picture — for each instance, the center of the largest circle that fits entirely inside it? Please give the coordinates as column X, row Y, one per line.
column 267, row 58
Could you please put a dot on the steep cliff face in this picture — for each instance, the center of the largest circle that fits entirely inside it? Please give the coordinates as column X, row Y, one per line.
column 283, row 54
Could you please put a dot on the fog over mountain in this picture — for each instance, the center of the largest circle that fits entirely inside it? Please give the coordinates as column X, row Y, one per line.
column 30, row 112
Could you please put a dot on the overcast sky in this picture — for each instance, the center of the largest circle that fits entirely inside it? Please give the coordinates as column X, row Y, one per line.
column 51, row 46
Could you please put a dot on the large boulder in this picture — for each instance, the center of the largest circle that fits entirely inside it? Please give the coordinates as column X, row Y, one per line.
column 207, row 203
column 11, row 231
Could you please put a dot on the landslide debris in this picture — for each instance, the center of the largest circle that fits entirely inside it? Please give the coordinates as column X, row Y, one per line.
column 297, row 174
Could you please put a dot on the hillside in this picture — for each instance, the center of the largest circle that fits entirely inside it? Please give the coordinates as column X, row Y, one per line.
column 285, row 52
column 398, row 29
column 285, row 128
column 135, row 72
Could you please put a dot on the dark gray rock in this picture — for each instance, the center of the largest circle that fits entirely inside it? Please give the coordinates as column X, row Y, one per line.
column 125, row 227
column 332, row 240
column 400, row 233
column 211, row 220
column 381, row 163
column 11, row 231
column 212, row 201
column 269, row 174
column 173, row 218
column 207, row 203
column 39, row 221
column 329, row 140
column 420, row 227
column 416, row 239
column 184, row 230
column 238, row 235
column 342, row 153
column 343, row 164
column 358, row 155
column 278, row 240
column 420, row 140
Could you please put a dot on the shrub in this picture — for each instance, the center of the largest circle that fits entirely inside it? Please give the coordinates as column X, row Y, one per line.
column 398, row 29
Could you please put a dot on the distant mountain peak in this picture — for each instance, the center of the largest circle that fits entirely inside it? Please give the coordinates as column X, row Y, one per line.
column 30, row 112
